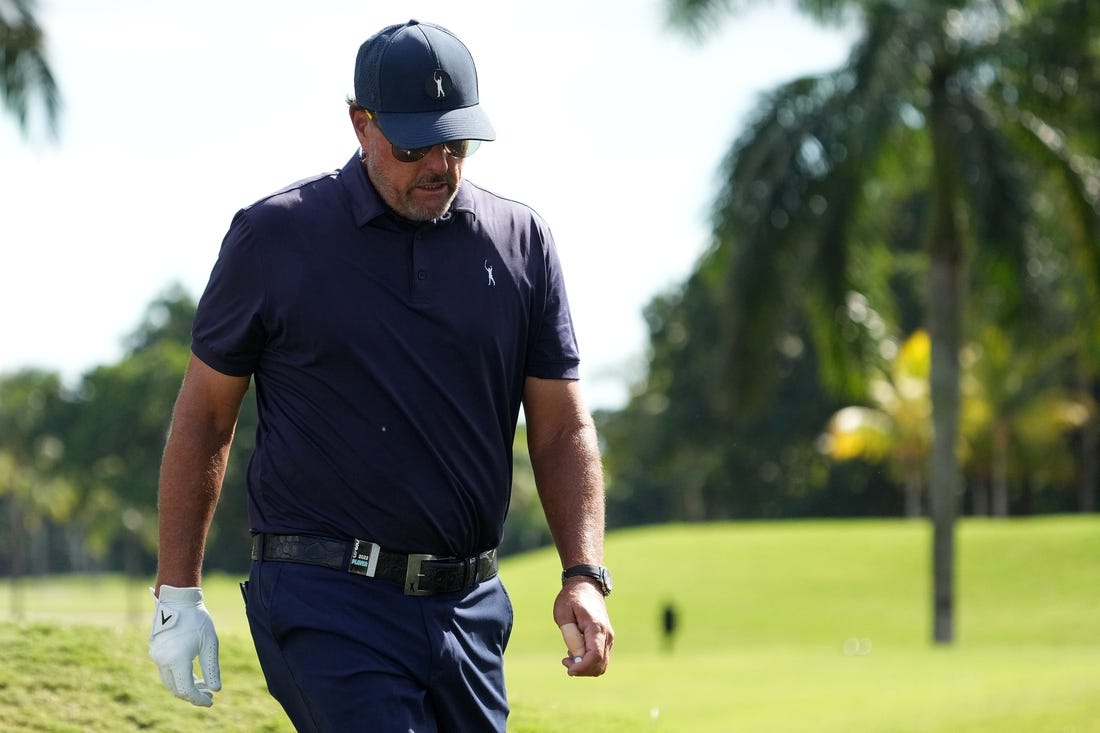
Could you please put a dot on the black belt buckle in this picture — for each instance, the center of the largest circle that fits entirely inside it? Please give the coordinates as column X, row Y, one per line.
column 413, row 575
column 490, row 559
column 364, row 558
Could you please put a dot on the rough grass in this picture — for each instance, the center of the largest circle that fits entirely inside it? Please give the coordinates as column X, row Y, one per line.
column 84, row 679
column 800, row 626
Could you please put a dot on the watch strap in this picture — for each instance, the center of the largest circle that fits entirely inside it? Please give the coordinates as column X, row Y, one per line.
column 591, row 571
column 597, row 572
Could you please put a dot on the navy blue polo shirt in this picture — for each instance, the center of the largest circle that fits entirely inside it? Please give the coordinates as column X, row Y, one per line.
column 389, row 358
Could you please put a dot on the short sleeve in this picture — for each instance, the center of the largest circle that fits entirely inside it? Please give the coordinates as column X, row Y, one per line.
column 228, row 332
column 553, row 352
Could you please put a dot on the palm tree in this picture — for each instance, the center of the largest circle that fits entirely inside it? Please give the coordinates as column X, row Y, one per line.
column 33, row 489
column 942, row 116
column 896, row 429
column 1023, row 414
column 1013, row 422
column 24, row 72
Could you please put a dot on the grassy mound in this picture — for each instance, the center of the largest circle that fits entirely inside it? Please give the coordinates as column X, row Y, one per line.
column 800, row 626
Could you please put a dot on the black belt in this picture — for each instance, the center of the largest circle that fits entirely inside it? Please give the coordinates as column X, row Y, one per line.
column 419, row 575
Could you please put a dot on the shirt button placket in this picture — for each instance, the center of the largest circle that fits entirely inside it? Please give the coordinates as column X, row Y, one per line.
column 420, row 272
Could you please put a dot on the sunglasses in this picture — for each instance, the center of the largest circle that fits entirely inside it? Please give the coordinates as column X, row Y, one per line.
column 453, row 148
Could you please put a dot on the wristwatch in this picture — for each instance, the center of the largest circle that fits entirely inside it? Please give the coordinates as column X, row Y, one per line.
column 597, row 572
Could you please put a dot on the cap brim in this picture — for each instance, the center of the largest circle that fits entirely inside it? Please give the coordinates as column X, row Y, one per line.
column 422, row 129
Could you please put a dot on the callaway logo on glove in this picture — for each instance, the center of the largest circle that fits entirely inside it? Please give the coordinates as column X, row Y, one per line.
column 182, row 631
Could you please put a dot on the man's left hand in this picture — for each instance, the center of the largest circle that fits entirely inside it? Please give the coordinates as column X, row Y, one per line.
column 182, row 631
column 582, row 603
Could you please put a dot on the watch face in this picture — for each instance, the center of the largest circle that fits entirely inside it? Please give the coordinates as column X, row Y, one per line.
column 605, row 579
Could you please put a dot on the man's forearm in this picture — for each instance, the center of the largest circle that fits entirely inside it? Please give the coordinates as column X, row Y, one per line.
column 192, row 469
column 569, row 477
column 190, row 482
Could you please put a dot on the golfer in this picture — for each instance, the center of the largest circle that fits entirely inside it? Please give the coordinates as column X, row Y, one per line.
column 395, row 317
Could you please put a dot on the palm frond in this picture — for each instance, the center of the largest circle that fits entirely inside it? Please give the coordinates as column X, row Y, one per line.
column 700, row 18
column 990, row 176
column 1081, row 175
column 785, row 211
column 24, row 72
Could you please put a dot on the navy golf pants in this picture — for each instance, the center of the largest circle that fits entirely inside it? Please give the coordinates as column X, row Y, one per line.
column 343, row 653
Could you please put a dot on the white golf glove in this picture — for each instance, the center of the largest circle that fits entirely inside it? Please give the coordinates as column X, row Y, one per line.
column 183, row 630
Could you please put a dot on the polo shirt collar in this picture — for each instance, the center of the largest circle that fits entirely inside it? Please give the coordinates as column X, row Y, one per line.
column 464, row 201
column 366, row 204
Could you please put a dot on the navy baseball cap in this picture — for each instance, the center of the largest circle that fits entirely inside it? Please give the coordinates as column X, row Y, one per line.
column 420, row 82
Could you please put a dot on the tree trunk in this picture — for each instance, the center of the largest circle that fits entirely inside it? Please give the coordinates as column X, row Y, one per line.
column 980, row 492
column 912, row 493
column 1027, row 497
column 946, row 265
column 16, row 525
column 132, row 573
column 944, row 326
column 694, row 505
column 1090, row 451
column 1000, row 470
column 1090, row 466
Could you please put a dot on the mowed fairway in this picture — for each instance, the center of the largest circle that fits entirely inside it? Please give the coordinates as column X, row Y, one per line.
column 799, row 626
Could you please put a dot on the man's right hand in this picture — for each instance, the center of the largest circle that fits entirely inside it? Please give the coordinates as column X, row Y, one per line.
column 182, row 631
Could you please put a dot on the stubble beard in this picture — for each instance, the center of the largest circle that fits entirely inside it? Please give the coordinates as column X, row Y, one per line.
column 403, row 202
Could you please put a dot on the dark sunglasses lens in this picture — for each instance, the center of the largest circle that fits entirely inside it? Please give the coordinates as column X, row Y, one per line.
column 406, row 155
column 455, row 148
column 462, row 148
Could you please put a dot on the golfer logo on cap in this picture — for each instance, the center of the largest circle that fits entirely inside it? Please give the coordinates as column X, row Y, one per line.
column 420, row 82
column 438, row 85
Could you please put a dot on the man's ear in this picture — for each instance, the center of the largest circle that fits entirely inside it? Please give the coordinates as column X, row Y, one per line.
column 359, row 121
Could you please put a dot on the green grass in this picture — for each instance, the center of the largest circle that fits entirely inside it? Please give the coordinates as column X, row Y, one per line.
column 766, row 610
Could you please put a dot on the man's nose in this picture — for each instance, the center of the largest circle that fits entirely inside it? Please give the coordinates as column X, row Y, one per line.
column 438, row 159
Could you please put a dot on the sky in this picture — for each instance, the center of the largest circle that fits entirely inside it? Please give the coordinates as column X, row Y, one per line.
column 177, row 113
